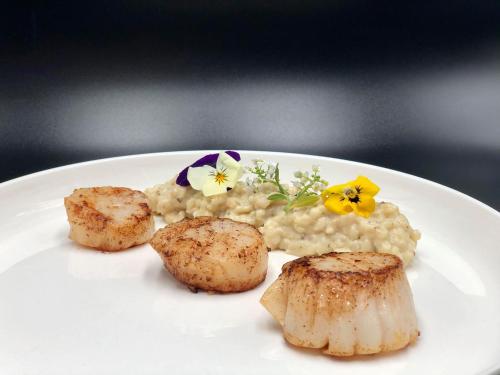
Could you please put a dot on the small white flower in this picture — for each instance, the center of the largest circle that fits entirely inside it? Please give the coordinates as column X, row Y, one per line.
column 271, row 170
column 212, row 181
column 317, row 186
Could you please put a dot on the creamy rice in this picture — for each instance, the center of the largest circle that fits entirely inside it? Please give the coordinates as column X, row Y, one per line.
column 304, row 231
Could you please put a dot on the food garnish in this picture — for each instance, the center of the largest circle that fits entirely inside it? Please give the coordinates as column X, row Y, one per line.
column 210, row 159
column 215, row 180
column 344, row 303
column 354, row 196
column 302, row 216
column 307, row 187
column 213, row 254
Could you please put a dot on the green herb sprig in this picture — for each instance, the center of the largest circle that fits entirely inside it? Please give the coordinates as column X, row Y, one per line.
column 307, row 185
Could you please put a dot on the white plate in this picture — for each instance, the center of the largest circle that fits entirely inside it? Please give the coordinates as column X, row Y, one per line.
column 68, row 310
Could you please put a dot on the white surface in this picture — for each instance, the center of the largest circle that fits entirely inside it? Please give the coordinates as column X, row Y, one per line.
column 69, row 310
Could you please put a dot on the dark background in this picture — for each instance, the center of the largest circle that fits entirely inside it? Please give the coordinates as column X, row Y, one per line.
column 413, row 87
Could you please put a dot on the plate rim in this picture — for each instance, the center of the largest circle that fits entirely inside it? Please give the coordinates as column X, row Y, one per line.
column 448, row 189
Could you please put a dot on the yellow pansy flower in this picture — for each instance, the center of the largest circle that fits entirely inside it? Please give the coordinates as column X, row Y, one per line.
column 354, row 196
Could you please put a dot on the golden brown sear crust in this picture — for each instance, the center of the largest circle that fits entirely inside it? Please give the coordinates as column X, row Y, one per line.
column 344, row 303
column 366, row 270
column 213, row 254
column 109, row 218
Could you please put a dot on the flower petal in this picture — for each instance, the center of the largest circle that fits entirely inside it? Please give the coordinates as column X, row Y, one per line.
column 232, row 177
column 209, row 159
column 367, row 186
column 232, row 169
column 198, row 176
column 365, row 206
column 336, row 204
column 226, row 161
column 335, row 189
column 182, row 178
column 213, row 188
column 234, row 155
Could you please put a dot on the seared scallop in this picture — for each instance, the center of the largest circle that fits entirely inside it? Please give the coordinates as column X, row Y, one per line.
column 109, row 218
column 213, row 254
column 344, row 303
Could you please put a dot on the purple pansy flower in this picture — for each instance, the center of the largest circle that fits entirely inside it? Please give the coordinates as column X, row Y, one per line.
column 210, row 159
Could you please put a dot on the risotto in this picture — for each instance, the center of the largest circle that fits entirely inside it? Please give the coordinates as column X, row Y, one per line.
column 302, row 231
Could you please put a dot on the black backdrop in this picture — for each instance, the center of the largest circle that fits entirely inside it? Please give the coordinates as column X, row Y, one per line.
column 413, row 87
